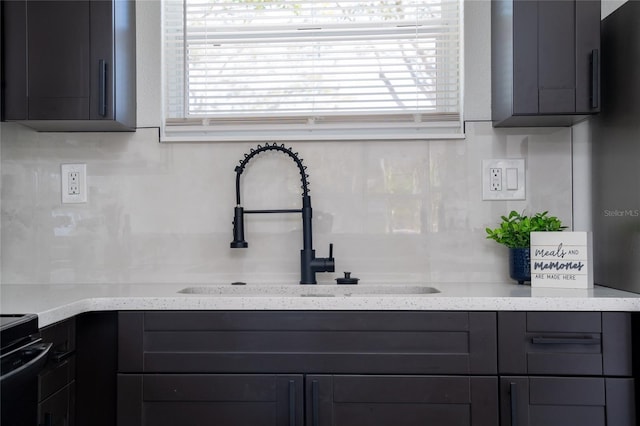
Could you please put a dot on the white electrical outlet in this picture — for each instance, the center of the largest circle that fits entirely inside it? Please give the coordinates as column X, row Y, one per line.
column 503, row 179
column 73, row 183
column 495, row 179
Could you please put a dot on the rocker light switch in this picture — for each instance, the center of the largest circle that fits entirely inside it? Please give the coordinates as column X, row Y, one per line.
column 503, row 179
column 512, row 179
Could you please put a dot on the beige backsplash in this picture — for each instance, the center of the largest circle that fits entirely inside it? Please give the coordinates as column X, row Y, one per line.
column 395, row 211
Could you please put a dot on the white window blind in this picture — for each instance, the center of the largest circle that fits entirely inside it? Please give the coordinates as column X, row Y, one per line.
column 307, row 69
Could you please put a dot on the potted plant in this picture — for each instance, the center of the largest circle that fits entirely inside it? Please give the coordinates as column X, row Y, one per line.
column 514, row 232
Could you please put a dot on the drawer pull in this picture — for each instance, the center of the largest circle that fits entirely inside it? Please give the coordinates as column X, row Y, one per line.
column 579, row 340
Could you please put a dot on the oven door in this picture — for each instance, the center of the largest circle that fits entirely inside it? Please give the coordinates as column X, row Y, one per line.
column 19, row 383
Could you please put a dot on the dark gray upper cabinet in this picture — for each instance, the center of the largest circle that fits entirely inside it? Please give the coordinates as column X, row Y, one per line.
column 545, row 61
column 69, row 65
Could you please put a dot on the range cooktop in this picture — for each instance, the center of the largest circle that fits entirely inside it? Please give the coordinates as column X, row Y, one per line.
column 17, row 327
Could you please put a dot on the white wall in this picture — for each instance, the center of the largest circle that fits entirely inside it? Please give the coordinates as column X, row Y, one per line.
column 609, row 6
column 396, row 211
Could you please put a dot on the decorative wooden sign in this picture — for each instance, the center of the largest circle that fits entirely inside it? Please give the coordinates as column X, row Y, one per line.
column 561, row 259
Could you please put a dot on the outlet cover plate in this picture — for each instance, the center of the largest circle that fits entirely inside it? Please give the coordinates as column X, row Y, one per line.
column 505, row 193
column 73, row 192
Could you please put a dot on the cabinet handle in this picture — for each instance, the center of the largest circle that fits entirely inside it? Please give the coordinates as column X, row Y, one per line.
column 315, row 399
column 61, row 356
column 578, row 340
column 595, row 71
column 513, row 404
column 292, row 403
column 102, row 95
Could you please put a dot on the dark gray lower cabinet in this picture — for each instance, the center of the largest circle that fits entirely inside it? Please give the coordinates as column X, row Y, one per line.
column 566, row 401
column 59, row 408
column 209, row 399
column 339, row 368
column 327, row 400
column 565, row 343
column 295, row 368
column 307, row 342
column 56, row 382
column 566, row 368
column 346, row 400
column 96, row 368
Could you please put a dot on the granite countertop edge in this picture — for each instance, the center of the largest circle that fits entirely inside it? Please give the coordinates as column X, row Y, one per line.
column 57, row 302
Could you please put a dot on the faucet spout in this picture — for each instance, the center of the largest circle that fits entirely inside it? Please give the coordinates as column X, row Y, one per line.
column 309, row 263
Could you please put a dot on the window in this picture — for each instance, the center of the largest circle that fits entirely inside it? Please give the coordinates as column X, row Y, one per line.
column 310, row 69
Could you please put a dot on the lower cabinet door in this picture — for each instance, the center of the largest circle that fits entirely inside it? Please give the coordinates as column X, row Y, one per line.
column 567, row 401
column 354, row 400
column 210, row 399
column 59, row 408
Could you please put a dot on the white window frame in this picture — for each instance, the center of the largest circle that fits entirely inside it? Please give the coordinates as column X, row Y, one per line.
column 307, row 127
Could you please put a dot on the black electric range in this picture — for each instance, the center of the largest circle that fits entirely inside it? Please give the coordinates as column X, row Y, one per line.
column 23, row 354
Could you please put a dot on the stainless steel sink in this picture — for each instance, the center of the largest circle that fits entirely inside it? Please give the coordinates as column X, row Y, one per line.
column 321, row 290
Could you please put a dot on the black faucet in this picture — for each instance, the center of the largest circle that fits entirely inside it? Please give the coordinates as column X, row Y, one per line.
column 309, row 263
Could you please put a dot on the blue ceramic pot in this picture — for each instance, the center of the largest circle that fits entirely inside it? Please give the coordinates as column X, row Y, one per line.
column 520, row 264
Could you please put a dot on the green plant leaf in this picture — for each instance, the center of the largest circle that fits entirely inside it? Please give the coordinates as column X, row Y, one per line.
column 515, row 229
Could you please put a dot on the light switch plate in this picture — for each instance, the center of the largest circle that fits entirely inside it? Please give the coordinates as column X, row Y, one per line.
column 511, row 175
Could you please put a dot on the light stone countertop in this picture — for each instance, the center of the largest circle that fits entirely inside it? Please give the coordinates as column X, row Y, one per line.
column 56, row 302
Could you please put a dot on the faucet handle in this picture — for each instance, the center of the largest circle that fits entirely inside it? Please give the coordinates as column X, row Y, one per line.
column 329, row 262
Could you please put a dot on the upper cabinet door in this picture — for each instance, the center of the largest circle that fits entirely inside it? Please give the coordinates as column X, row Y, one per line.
column 545, row 61
column 556, row 57
column 58, row 52
column 66, row 66
column 588, row 56
column 102, row 61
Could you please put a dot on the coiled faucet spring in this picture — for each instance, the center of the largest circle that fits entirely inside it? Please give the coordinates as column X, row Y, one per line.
column 309, row 264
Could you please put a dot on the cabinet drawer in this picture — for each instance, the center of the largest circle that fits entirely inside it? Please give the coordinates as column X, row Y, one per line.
column 566, row 343
column 564, row 401
column 308, row 342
